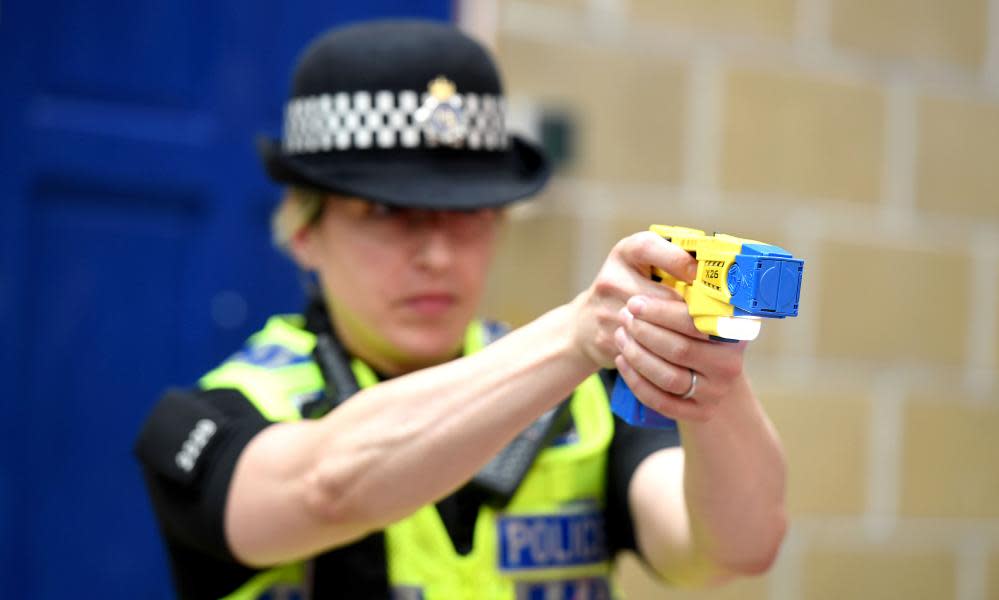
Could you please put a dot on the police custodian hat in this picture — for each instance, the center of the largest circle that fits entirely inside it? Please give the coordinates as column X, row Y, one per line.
column 407, row 113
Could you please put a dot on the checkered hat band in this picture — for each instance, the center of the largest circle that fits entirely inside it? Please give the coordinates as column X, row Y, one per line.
column 386, row 119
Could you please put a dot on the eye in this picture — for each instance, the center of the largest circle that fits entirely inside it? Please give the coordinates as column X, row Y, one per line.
column 376, row 210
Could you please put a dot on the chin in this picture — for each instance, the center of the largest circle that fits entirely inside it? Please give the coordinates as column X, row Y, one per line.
column 428, row 348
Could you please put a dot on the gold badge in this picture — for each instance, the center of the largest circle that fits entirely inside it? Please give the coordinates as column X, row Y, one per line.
column 441, row 115
column 441, row 88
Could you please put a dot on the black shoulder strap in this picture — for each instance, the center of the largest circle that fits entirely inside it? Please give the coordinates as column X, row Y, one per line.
column 499, row 479
column 608, row 377
column 359, row 570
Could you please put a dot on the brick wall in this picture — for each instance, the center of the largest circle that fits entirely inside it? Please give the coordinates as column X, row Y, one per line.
column 861, row 135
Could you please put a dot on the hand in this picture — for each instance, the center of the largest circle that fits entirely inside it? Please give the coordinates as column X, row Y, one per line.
column 624, row 274
column 660, row 350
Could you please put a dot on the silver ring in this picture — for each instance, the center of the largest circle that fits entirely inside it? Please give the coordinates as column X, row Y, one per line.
column 693, row 386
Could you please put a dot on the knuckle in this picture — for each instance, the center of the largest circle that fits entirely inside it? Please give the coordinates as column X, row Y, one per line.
column 645, row 242
column 659, row 401
column 607, row 318
column 730, row 369
column 680, row 350
column 668, row 379
column 631, row 353
column 635, row 244
column 604, row 342
column 605, row 286
column 629, row 246
column 634, row 327
column 681, row 313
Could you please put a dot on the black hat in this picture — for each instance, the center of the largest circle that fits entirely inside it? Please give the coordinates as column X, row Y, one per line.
column 407, row 113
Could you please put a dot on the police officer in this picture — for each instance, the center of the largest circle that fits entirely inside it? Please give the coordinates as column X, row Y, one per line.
column 386, row 443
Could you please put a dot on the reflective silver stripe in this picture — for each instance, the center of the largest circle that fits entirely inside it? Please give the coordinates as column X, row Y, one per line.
column 588, row 588
column 385, row 119
column 406, row 592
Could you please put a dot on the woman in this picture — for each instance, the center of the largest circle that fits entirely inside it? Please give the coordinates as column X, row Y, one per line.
column 451, row 472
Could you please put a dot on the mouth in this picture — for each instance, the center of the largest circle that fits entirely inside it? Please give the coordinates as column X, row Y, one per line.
column 430, row 304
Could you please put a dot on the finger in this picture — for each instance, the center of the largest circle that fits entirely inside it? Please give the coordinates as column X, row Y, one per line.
column 718, row 361
column 719, row 365
column 665, row 376
column 666, row 404
column 619, row 280
column 670, row 314
column 659, row 291
column 672, row 346
column 646, row 249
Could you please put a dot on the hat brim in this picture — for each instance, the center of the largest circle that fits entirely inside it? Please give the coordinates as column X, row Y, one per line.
column 436, row 178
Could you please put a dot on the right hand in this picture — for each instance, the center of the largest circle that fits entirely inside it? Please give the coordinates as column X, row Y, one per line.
column 625, row 273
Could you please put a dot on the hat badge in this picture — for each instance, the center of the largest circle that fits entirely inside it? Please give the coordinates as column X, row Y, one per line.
column 441, row 115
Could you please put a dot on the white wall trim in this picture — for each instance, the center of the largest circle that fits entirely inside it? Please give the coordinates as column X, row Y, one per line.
column 901, row 145
column 703, row 131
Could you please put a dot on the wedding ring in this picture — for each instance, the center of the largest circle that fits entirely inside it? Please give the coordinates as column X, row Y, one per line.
column 693, row 386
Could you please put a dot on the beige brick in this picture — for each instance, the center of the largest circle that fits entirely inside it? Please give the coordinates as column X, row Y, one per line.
column 992, row 577
column 949, row 466
column 638, row 584
column 890, row 304
column 825, row 441
column 768, row 18
column 877, row 575
column 625, row 225
column 533, row 268
column 958, row 150
column 767, row 344
column 919, row 30
column 797, row 135
column 628, row 109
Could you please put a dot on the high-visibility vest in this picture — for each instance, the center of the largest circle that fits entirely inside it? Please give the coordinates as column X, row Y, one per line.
column 548, row 542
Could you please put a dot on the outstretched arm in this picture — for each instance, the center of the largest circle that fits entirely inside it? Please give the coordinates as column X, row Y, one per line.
column 395, row 446
column 307, row 486
column 715, row 507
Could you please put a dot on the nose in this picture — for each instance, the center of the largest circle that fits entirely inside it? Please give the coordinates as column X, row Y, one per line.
column 436, row 251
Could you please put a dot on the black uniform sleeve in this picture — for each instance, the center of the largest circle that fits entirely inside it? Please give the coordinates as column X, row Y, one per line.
column 629, row 447
column 188, row 449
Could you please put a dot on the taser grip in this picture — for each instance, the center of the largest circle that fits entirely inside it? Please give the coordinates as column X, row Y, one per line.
column 625, row 405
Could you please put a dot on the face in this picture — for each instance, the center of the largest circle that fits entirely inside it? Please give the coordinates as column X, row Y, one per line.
column 401, row 284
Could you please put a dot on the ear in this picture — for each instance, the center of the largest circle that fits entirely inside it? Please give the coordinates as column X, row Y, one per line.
column 302, row 247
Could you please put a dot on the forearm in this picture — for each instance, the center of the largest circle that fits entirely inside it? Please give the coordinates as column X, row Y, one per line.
column 733, row 477
column 396, row 446
column 420, row 437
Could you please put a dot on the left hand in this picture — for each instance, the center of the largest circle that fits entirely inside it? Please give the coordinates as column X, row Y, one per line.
column 660, row 347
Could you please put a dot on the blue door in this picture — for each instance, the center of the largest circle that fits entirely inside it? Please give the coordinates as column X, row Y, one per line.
column 134, row 253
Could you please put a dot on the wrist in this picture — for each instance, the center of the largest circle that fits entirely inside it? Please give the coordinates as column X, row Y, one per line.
column 737, row 406
column 585, row 333
column 568, row 325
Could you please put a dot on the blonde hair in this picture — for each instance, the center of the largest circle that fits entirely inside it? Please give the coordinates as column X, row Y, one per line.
column 299, row 208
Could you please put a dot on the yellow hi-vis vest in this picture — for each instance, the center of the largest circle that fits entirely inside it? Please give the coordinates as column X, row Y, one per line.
column 547, row 543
